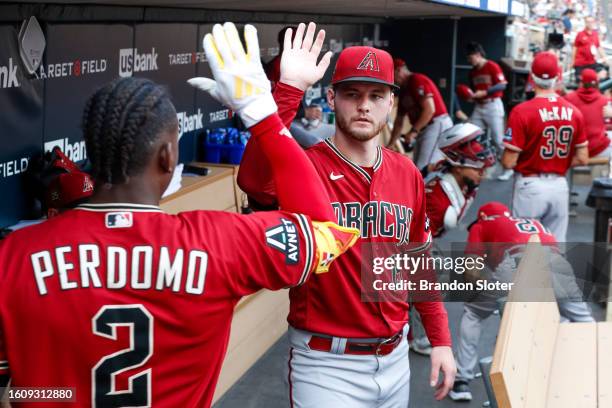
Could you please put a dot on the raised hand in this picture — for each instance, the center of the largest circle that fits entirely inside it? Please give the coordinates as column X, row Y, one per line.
column 299, row 66
column 240, row 82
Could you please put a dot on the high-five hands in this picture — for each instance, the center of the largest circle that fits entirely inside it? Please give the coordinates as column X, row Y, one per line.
column 299, row 66
column 240, row 82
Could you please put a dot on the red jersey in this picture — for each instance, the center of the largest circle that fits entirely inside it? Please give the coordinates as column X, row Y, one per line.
column 486, row 76
column 492, row 237
column 387, row 203
column 411, row 95
column 443, row 192
column 545, row 131
column 586, row 48
column 273, row 70
column 135, row 309
column 591, row 102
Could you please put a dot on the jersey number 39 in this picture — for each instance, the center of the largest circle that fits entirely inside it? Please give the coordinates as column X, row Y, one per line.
column 558, row 141
column 103, row 375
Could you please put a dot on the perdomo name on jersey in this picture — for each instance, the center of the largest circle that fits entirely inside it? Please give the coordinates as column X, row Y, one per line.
column 124, row 267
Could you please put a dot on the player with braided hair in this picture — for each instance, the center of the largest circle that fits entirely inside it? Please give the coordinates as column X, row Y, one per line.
column 132, row 306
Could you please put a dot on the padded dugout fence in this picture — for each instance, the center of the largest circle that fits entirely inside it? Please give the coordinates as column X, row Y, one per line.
column 88, row 46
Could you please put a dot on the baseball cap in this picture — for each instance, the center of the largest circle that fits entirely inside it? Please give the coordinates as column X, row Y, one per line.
column 545, row 66
column 464, row 92
column 69, row 188
column 493, row 208
column 364, row 64
column 589, row 77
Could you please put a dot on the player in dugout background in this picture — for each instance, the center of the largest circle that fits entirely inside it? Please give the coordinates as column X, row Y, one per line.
column 131, row 306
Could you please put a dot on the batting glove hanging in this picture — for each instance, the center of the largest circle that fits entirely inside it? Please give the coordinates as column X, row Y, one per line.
column 240, row 82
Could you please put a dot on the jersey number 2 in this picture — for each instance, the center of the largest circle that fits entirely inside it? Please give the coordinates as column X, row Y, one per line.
column 103, row 375
column 557, row 142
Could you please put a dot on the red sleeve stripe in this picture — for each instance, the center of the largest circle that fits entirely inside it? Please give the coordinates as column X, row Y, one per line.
column 309, row 244
column 512, row 147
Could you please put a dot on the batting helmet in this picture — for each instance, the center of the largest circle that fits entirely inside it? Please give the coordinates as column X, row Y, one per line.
column 493, row 208
column 464, row 92
column 461, row 148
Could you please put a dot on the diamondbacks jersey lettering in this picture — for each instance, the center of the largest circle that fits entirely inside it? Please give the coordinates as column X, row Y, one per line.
column 494, row 235
column 411, row 95
column 137, row 310
column 545, row 131
column 486, row 76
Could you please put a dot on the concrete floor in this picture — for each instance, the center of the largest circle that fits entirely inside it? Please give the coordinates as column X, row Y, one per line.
column 264, row 386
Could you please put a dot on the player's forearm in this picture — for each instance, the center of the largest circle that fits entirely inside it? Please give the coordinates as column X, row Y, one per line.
column 255, row 176
column 509, row 159
column 573, row 55
column 423, row 120
column 497, row 88
column 288, row 99
column 581, row 157
column 435, row 322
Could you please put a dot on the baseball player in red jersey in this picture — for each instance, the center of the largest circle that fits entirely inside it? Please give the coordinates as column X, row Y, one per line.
column 420, row 99
column 451, row 189
column 545, row 136
column 591, row 102
column 501, row 239
column 346, row 352
column 131, row 306
column 488, row 82
column 449, row 192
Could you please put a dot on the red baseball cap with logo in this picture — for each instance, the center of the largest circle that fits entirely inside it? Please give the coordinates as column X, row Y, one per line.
column 589, row 77
column 545, row 66
column 364, row 64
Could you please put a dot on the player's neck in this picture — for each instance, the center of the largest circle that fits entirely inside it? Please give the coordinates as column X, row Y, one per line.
column 481, row 63
column 544, row 93
column 132, row 193
column 362, row 153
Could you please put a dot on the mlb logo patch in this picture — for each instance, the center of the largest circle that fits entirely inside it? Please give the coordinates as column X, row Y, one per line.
column 123, row 219
column 508, row 135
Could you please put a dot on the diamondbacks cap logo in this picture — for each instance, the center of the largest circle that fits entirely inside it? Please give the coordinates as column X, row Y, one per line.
column 284, row 238
column 369, row 62
column 123, row 219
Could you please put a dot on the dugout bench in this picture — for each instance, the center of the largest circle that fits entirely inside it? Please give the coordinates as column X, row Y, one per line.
column 541, row 363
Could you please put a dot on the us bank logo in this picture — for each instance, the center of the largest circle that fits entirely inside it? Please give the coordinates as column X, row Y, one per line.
column 131, row 60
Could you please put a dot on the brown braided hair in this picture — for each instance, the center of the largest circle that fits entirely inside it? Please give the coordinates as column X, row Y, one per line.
column 121, row 122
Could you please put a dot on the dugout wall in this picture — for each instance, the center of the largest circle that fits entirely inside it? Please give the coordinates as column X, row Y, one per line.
column 87, row 46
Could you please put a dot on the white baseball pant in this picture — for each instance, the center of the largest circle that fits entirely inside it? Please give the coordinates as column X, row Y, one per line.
column 426, row 149
column 545, row 198
column 325, row 379
column 490, row 116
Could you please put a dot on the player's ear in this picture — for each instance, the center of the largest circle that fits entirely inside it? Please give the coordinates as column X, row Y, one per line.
column 331, row 95
column 167, row 153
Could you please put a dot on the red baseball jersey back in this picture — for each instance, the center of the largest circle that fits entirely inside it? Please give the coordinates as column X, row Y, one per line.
column 486, row 76
column 136, row 309
column 545, row 131
column 591, row 102
column 493, row 236
column 411, row 95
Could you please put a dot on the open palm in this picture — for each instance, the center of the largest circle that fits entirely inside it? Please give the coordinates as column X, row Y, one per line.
column 299, row 66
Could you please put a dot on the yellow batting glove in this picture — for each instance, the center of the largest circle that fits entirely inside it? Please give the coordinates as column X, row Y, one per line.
column 240, row 82
column 332, row 241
